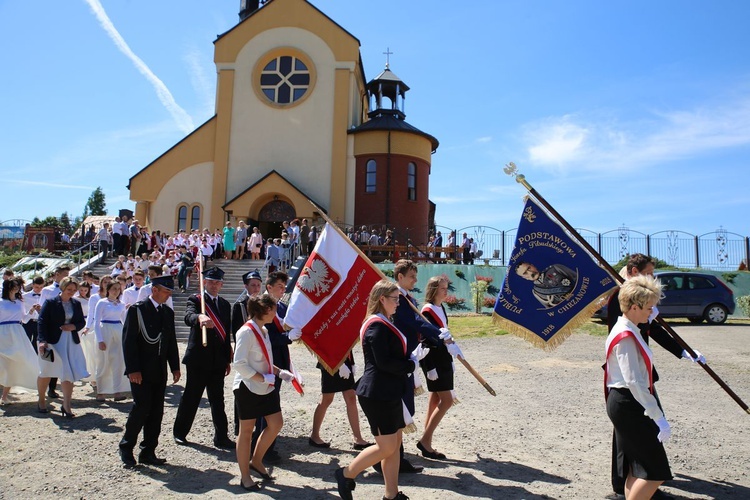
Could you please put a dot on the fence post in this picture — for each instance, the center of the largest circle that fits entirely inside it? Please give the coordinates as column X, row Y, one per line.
column 599, row 243
column 648, row 244
column 747, row 252
column 502, row 246
column 697, row 254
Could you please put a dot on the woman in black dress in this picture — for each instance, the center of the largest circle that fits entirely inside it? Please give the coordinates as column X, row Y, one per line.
column 342, row 381
column 387, row 366
column 437, row 367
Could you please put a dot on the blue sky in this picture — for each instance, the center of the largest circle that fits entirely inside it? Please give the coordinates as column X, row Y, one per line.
column 634, row 113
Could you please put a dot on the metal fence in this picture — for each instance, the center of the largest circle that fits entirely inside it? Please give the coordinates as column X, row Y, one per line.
column 720, row 250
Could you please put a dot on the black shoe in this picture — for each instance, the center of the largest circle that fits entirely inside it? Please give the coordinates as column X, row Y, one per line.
column 224, row 443
column 266, row 476
column 360, row 447
column 615, row 496
column 660, row 495
column 345, row 485
column 405, row 467
column 318, row 445
column 181, row 441
column 399, row 496
column 127, row 457
column 434, row 455
column 39, row 409
column 253, row 487
column 272, row 457
column 53, row 395
column 151, row 459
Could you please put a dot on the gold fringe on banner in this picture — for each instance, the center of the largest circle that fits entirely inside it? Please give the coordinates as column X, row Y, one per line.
column 410, row 429
column 562, row 334
column 418, row 390
column 331, row 371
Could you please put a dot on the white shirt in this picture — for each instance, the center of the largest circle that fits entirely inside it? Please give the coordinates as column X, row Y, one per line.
column 145, row 292
column 249, row 359
column 627, row 369
column 13, row 310
column 92, row 309
column 49, row 292
column 31, row 299
column 130, row 295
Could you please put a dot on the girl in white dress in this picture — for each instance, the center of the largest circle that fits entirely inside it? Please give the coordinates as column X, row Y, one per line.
column 59, row 322
column 88, row 343
column 17, row 358
column 110, row 360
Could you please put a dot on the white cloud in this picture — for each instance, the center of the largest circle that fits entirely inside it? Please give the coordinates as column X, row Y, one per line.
column 50, row 184
column 483, row 140
column 180, row 116
column 201, row 80
column 559, row 144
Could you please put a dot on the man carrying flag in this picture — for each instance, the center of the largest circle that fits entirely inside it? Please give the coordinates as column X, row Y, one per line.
column 206, row 365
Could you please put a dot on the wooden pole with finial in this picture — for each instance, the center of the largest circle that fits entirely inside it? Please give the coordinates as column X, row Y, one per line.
column 204, row 332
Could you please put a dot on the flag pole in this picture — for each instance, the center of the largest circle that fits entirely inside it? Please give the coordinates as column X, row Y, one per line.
column 471, row 369
column 512, row 170
column 204, row 332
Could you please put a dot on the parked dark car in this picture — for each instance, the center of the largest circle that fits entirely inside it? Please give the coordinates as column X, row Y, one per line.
column 695, row 296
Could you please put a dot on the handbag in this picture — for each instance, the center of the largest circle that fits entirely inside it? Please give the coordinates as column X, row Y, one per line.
column 48, row 355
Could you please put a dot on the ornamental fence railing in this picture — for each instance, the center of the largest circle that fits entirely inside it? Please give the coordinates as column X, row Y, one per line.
column 720, row 250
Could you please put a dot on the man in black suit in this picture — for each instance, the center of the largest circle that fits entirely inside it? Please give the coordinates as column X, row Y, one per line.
column 206, row 365
column 148, row 343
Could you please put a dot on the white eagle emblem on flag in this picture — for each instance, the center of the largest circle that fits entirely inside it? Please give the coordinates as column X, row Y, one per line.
column 317, row 279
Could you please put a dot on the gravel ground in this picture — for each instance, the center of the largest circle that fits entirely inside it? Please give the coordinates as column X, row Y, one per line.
column 545, row 435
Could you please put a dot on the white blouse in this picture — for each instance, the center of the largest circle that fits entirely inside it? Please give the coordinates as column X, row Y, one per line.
column 13, row 310
column 107, row 310
column 249, row 359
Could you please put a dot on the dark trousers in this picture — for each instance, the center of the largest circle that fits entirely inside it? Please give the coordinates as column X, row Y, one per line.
column 467, row 256
column 31, row 331
column 104, row 248
column 198, row 380
column 124, row 245
column 146, row 414
column 115, row 244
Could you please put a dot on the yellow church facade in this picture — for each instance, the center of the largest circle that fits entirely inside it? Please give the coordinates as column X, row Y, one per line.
column 290, row 91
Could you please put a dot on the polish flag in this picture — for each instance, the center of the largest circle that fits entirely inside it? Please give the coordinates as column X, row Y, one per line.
column 329, row 300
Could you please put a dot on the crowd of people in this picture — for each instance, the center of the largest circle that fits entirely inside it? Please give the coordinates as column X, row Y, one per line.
column 121, row 339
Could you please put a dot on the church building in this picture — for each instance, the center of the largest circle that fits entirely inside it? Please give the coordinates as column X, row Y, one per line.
column 296, row 120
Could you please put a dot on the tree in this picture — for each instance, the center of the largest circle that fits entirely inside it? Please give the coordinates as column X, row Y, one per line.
column 96, row 205
column 65, row 222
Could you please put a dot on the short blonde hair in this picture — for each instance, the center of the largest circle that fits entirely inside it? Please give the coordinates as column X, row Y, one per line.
column 640, row 291
column 381, row 289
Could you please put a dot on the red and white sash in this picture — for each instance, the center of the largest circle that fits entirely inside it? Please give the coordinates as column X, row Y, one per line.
column 262, row 344
column 436, row 314
column 379, row 317
column 218, row 325
column 612, row 341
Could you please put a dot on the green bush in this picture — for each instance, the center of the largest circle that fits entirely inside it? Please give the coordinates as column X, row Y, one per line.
column 744, row 303
column 478, row 291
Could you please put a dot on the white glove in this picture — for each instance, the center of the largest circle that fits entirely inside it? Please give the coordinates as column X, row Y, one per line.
column 269, row 378
column 432, row 375
column 344, row 371
column 445, row 334
column 699, row 358
column 420, row 352
column 294, row 333
column 665, row 432
column 286, row 375
column 454, row 350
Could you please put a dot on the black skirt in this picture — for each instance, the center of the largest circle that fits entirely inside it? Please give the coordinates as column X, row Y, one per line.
column 384, row 417
column 444, row 381
column 636, row 434
column 251, row 406
column 330, row 384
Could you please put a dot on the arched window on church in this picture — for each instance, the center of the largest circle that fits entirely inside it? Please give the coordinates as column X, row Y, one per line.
column 411, row 179
column 195, row 217
column 371, row 176
column 182, row 218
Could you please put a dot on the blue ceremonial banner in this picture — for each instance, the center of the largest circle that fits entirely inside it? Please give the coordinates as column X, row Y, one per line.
column 552, row 284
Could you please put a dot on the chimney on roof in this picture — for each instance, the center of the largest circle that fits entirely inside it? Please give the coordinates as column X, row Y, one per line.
column 247, row 7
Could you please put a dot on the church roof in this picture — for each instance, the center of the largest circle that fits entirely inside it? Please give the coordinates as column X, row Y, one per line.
column 389, row 76
column 391, row 122
column 269, row 2
column 260, row 181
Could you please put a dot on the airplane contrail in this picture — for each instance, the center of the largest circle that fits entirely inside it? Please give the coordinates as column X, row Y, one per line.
column 184, row 121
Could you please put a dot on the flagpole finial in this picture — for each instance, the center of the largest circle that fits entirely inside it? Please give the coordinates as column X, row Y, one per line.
column 512, row 170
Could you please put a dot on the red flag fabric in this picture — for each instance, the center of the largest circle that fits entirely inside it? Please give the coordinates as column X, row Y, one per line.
column 329, row 301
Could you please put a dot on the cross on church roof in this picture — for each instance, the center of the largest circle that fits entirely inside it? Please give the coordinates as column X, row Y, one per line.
column 388, row 54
